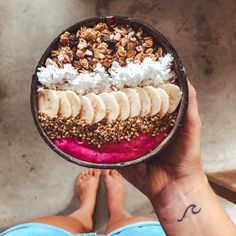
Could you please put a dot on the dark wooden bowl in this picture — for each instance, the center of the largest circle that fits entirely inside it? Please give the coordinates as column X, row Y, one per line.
column 177, row 66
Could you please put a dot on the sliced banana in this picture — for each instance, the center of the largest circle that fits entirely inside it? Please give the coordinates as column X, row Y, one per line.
column 87, row 111
column 48, row 102
column 154, row 98
column 123, row 102
column 65, row 108
column 145, row 101
column 112, row 106
column 98, row 106
column 134, row 101
column 74, row 101
column 174, row 94
column 164, row 101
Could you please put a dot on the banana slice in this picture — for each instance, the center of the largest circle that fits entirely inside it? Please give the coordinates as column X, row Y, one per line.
column 112, row 106
column 65, row 108
column 134, row 101
column 98, row 106
column 87, row 111
column 74, row 101
column 174, row 94
column 145, row 101
column 154, row 98
column 164, row 101
column 123, row 102
column 48, row 102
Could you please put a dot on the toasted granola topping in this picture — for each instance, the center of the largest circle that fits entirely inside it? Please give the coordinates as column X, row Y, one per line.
column 105, row 45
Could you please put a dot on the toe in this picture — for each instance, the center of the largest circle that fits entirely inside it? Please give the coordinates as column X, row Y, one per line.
column 96, row 172
column 90, row 172
column 83, row 175
column 80, row 178
column 86, row 174
column 114, row 173
column 106, row 172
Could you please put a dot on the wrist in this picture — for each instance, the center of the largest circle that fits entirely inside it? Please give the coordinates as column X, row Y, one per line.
column 178, row 188
column 184, row 194
column 191, row 208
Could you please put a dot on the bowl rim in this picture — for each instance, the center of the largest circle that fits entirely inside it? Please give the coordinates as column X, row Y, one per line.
column 181, row 78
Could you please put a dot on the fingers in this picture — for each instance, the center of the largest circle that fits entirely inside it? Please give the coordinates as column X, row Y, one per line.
column 192, row 116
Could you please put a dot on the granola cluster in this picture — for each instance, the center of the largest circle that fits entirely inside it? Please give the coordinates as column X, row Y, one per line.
column 104, row 44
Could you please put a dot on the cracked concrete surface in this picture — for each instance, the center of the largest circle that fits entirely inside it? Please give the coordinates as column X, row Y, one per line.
column 34, row 181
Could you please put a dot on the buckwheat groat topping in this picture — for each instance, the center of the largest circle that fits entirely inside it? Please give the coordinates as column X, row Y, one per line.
column 103, row 132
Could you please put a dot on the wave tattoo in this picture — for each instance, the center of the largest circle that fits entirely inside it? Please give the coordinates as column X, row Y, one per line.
column 194, row 210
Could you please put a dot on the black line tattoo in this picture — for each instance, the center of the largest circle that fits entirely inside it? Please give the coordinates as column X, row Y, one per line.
column 193, row 209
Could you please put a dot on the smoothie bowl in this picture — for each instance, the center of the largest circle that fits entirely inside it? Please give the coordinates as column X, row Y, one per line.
column 109, row 92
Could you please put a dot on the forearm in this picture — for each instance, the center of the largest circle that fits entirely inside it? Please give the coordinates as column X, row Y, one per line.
column 190, row 207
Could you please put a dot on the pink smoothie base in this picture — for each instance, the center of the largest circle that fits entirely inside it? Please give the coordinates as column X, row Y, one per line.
column 110, row 152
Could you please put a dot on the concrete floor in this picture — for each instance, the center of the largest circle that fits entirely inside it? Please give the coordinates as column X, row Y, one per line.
column 34, row 181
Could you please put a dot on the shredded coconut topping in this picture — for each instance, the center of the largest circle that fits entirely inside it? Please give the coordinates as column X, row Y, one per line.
column 148, row 72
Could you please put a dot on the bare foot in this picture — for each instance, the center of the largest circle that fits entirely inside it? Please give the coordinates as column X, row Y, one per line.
column 87, row 185
column 116, row 191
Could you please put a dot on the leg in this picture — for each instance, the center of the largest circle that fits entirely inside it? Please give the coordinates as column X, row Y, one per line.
column 79, row 221
column 63, row 222
column 116, row 193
